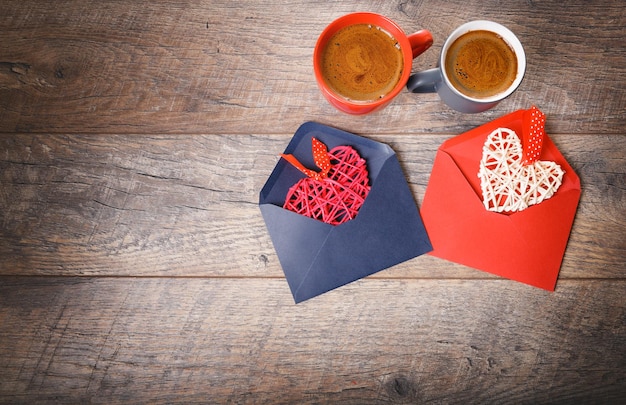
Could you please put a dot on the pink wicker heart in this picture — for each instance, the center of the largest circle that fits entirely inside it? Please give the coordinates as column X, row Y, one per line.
column 335, row 194
column 507, row 184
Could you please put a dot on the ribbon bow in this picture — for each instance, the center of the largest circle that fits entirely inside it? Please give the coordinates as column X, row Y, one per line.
column 533, row 134
column 320, row 157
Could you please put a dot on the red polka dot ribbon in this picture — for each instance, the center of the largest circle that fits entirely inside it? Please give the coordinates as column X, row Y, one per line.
column 533, row 133
column 321, row 158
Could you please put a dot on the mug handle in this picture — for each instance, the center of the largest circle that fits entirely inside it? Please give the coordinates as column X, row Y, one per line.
column 420, row 41
column 424, row 82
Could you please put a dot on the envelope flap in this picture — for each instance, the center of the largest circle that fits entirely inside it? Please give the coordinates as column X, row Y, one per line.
column 286, row 175
column 466, row 151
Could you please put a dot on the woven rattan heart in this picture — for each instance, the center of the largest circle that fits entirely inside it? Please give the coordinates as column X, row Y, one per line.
column 509, row 185
column 336, row 197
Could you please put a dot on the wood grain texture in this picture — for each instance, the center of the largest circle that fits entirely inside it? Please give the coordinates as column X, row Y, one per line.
column 135, row 266
column 165, row 340
column 188, row 205
column 185, row 67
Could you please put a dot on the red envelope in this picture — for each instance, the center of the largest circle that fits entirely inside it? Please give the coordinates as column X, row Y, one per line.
column 527, row 246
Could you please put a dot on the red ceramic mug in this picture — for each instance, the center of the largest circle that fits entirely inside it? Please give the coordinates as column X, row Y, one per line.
column 363, row 60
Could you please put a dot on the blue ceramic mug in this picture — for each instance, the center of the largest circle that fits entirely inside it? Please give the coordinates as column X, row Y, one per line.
column 480, row 64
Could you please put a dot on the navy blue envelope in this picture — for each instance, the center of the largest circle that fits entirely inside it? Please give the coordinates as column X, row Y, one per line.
column 317, row 257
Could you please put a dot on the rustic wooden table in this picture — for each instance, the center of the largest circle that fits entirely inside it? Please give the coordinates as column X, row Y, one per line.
column 135, row 266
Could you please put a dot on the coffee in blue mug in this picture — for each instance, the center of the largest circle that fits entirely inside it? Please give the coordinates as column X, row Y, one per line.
column 480, row 64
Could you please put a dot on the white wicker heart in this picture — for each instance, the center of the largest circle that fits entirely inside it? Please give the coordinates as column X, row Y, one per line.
column 507, row 184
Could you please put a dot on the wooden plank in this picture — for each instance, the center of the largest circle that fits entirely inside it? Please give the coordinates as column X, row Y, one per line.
column 169, row 67
column 70, row 340
column 135, row 266
column 187, row 205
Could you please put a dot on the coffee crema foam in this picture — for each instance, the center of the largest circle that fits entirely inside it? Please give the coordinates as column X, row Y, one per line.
column 362, row 62
column 481, row 64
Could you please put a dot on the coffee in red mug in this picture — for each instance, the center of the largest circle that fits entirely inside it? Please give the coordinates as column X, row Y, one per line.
column 363, row 60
